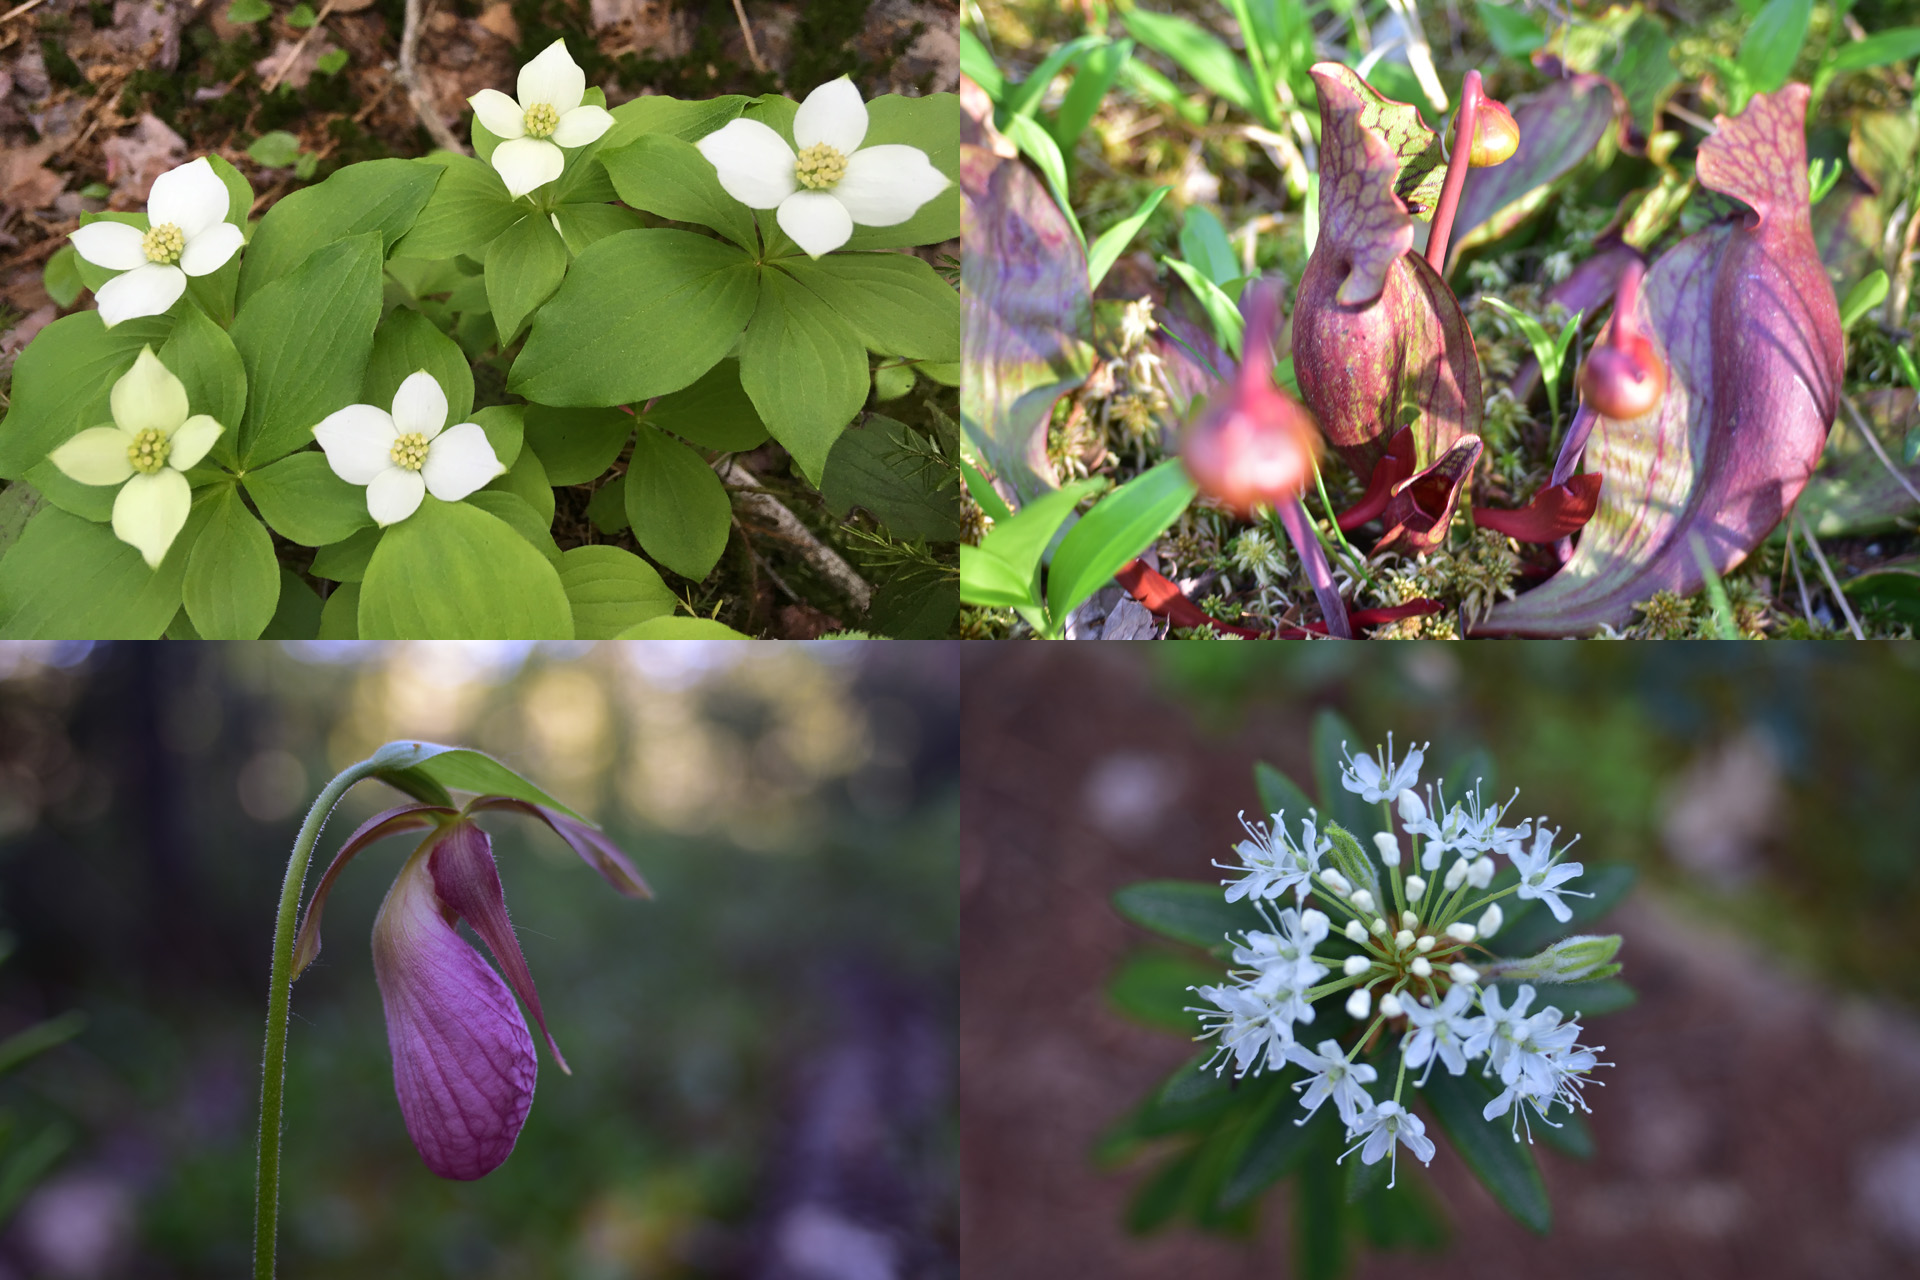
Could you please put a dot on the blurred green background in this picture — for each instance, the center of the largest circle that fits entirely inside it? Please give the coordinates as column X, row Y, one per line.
column 762, row 1055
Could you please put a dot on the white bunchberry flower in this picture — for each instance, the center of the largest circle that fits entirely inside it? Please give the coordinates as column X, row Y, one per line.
column 1354, row 966
column 1251, row 1028
column 1441, row 1032
column 1461, row 931
column 1382, row 780
column 1330, row 1075
column 1411, row 808
column 1490, row 921
column 1540, row 875
column 1358, row 1003
column 550, row 113
column 1363, row 901
column 1464, row 973
column 1416, row 888
column 1388, row 846
column 1378, row 1131
column 403, row 455
column 1283, row 961
column 147, row 451
column 1390, row 1005
column 1355, row 931
column 833, row 183
column 1273, row 863
column 187, row 235
column 1421, row 967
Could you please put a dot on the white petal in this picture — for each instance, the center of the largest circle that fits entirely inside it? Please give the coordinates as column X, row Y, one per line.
column 754, row 163
column 459, row 462
column 582, row 125
column 191, row 197
column 832, row 114
column 887, row 185
column 419, row 405
column 502, row 116
column 394, row 495
column 817, row 222
column 145, row 291
column 149, row 512
column 191, row 442
column 97, row 455
column 358, row 441
column 209, row 251
column 110, row 244
column 148, row 396
column 526, row 163
column 553, row 77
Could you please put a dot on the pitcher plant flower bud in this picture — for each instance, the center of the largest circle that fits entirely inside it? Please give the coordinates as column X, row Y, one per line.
column 1624, row 377
column 1495, row 135
column 463, row 1060
column 1255, row 446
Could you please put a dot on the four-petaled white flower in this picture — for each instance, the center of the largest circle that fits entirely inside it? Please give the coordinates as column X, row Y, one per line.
column 1379, row 1129
column 187, row 235
column 151, row 443
column 403, row 455
column 1273, row 863
column 1540, row 876
column 1330, row 1075
column 549, row 115
column 1440, row 1034
column 833, row 183
column 1381, row 780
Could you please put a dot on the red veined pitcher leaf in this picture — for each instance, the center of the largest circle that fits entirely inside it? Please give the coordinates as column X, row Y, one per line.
column 1420, row 509
column 1394, row 467
column 1556, row 512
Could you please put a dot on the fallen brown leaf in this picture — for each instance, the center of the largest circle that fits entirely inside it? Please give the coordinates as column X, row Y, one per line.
column 25, row 182
column 135, row 159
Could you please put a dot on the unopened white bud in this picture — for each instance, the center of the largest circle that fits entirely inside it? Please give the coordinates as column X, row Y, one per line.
column 1336, row 882
column 1463, row 931
column 1408, row 919
column 1464, row 973
column 1389, row 848
column 1363, row 900
column 1378, row 928
column 1421, row 966
column 1425, row 944
column 1356, row 965
column 1403, row 939
column 1455, row 874
column 1356, row 931
column 1416, row 888
column 1490, row 921
column 1358, row 1003
column 1480, row 874
column 1411, row 809
column 1390, row 1005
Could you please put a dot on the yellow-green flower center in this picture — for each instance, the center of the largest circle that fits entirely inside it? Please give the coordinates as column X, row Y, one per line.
column 149, row 450
column 163, row 244
column 409, row 451
column 542, row 120
column 819, row 167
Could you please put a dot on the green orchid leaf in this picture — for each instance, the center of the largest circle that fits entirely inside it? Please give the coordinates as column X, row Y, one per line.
column 232, row 584
column 805, row 368
column 676, row 504
column 452, row 571
column 612, row 590
column 427, row 771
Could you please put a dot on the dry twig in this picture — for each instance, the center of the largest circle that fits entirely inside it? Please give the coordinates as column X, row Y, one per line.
column 409, row 78
column 823, row 559
column 746, row 29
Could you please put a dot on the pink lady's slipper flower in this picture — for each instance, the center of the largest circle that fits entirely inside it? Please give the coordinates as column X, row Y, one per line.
column 463, row 1060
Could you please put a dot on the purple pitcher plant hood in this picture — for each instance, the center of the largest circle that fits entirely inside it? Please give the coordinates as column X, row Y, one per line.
column 1751, row 334
column 1376, row 331
column 463, row 1060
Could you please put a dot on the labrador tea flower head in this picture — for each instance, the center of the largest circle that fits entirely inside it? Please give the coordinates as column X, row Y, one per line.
column 187, row 235
column 833, row 183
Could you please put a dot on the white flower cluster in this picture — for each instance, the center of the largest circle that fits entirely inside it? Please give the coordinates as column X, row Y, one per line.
column 1411, row 940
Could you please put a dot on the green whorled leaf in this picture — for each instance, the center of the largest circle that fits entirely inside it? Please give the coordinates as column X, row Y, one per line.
column 1420, row 164
column 676, row 504
column 931, row 123
column 524, row 267
column 581, row 225
column 428, row 771
column 505, row 425
column 1273, row 1147
column 805, row 368
column 468, row 208
column 407, row 342
column 641, row 314
column 881, row 466
column 202, row 356
column 298, row 614
column 680, row 629
column 378, row 196
column 519, row 515
column 1320, row 1240
column 70, row 579
column 304, row 340
column 1852, row 491
column 894, row 301
column 62, row 380
column 610, row 590
column 715, row 412
column 918, row 603
column 576, row 445
column 340, row 613
column 452, row 571
column 1118, row 528
column 1504, row 1167
column 527, row 480
column 232, row 583
column 1530, row 926
column 675, row 117
column 1151, row 988
column 1280, row 795
column 347, row 559
column 668, row 176
column 1559, row 128
column 1751, row 333
column 1185, row 910
column 1024, row 311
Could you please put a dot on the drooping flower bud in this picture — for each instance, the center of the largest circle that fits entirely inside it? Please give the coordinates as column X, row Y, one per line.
column 1255, row 445
column 1495, row 135
column 1624, row 377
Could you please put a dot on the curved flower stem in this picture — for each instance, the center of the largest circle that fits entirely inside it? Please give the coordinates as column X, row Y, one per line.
column 266, row 1205
column 1299, row 527
column 1457, row 165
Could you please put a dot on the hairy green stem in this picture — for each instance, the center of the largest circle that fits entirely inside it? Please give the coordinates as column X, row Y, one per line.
column 266, row 1205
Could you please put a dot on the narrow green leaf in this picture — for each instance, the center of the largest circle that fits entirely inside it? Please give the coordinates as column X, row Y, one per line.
column 1185, row 910
column 1504, row 1167
column 1279, row 794
column 1106, row 250
column 1319, row 1214
column 1222, row 312
column 1274, row 1147
column 1882, row 48
column 1118, row 528
column 1773, row 43
column 1151, row 988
